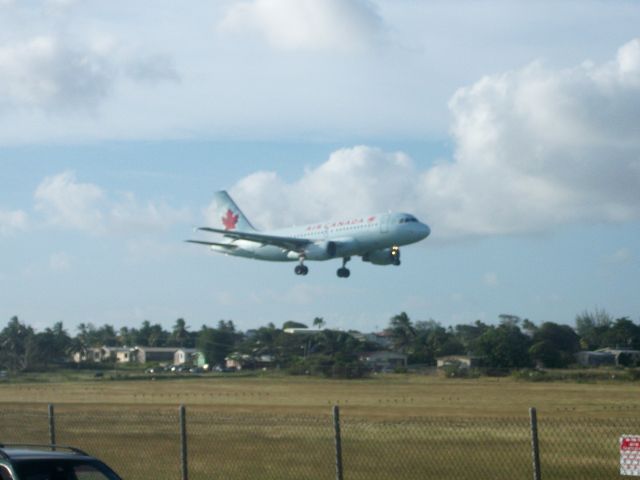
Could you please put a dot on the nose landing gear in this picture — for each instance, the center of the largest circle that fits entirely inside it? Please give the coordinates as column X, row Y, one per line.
column 395, row 254
column 344, row 272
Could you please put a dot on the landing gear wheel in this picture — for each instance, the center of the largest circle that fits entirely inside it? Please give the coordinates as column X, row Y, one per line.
column 344, row 272
column 301, row 270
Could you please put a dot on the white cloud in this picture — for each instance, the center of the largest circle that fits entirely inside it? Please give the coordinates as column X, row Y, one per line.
column 275, row 69
column 12, row 221
column 42, row 72
column 628, row 60
column 534, row 148
column 152, row 69
column 67, row 203
column 54, row 74
column 539, row 147
column 306, row 25
column 129, row 215
column 353, row 181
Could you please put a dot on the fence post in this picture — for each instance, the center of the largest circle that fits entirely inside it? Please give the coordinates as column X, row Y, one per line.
column 336, row 426
column 535, row 448
column 183, row 443
column 52, row 425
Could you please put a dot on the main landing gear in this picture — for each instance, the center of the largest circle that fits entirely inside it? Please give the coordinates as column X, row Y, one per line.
column 344, row 272
column 301, row 269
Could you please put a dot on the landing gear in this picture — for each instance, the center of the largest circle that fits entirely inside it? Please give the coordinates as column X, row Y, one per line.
column 395, row 255
column 344, row 272
column 301, row 269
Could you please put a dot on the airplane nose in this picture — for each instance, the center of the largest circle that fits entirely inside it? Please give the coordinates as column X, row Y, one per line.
column 425, row 230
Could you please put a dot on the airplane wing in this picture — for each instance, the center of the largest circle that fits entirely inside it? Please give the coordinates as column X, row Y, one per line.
column 288, row 243
column 229, row 246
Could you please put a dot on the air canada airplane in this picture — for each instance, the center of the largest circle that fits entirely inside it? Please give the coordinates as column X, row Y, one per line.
column 375, row 238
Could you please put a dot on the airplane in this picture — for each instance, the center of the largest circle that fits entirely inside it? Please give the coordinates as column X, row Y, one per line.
column 376, row 238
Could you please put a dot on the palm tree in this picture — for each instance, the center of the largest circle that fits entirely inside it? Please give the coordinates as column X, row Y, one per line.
column 180, row 334
column 402, row 331
column 319, row 322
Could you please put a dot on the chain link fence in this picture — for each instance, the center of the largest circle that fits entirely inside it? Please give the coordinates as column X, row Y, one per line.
column 142, row 442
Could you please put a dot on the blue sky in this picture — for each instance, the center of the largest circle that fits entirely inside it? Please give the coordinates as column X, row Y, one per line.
column 510, row 127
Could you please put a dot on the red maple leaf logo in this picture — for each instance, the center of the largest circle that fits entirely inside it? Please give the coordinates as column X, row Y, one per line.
column 230, row 220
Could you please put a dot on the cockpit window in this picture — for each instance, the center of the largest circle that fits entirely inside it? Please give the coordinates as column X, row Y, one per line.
column 407, row 219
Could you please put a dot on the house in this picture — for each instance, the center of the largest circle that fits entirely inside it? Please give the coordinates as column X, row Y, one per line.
column 381, row 339
column 461, row 361
column 238, row 361
column 154, row 354
column 302, row 331
column 122, row 355
column 623, row 356
column 104, row 354
column 92, row 354
column 595, row 359
column 189, row 356
column 384, row 360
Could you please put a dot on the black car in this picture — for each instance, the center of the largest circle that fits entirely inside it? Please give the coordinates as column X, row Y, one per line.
column 51, row 462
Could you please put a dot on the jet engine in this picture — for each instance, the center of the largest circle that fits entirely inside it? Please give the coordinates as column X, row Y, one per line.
column 321, row 250
column 386, row 256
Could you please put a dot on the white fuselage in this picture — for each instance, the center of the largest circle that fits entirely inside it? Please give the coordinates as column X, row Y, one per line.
column 356, row 236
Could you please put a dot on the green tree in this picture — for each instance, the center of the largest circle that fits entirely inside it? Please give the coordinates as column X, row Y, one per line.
column 53, row 345
column 106, row 335
column 592, row 327
column 319, row 322
column 554, row 345
column 504, row 346
column 403, row 334
column 127, row 337
column 180, row 335
column 217, row 343
column 335, row 343
column 432, row 340
column 622, row 333
column 152, row 335
column 17, row 346
column 546, row 353
column 468, row 334
column 87, row 334
column 292, row 324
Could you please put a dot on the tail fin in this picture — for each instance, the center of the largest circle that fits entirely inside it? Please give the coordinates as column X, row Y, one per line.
column 227, row 215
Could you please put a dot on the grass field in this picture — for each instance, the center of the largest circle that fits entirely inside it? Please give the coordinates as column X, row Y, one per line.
column 394, row 426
